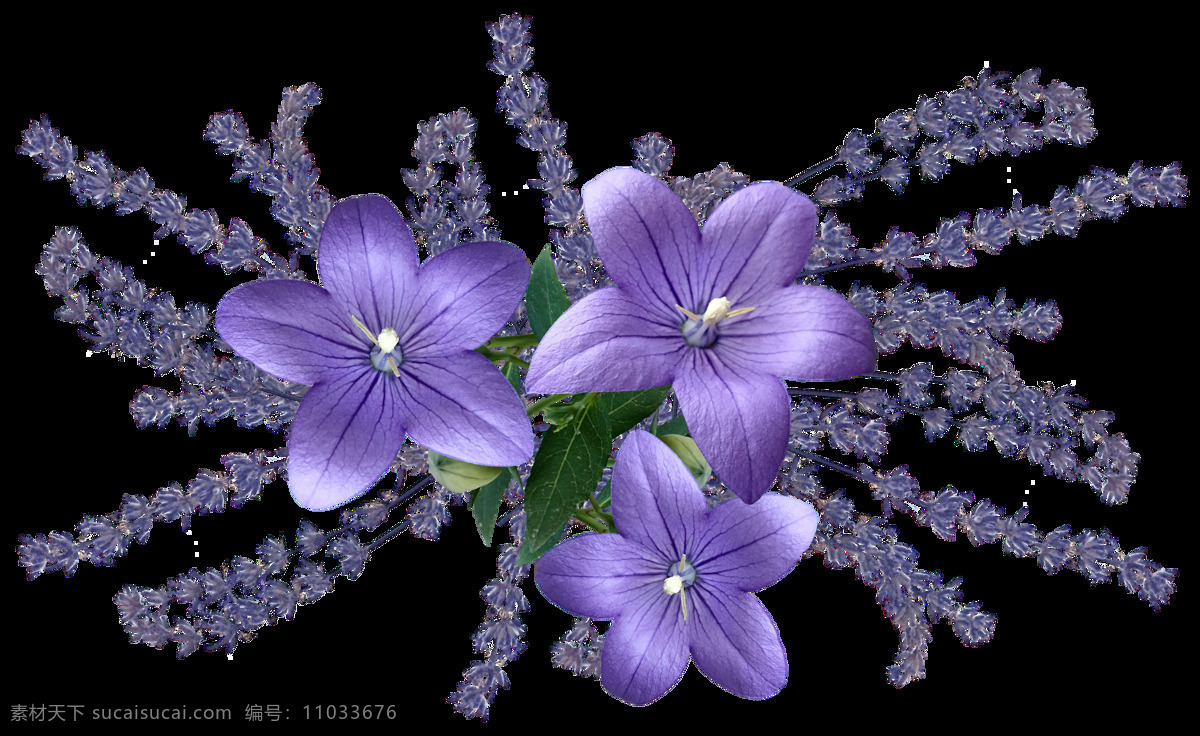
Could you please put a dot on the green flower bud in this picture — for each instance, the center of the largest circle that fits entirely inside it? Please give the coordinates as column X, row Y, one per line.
column 560, row 414
column 460, row 476
column 685, row 447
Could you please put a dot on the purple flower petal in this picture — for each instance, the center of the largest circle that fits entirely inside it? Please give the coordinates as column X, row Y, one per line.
column 464, row 296
column 368, row 260
column 346, row 433
column 655, row 500
column 596, row 575
column 645, row 650
column 647, row 238
column 459, row 405
column 606, row 341
column 755, row 242
column 750, row 547
column 290, row 329
column 802, row 333
column 734, row 642
column 739, row 419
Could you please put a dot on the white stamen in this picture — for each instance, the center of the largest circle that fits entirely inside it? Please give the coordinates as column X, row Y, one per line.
column 363, row 327
column 674, row 584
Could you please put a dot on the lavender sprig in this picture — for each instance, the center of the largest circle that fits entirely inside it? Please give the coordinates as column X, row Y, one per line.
column 1043, row 424
column 975, row 333
column 912, row 598
column 102, row 539
column 578, row 649
column 126, row 319
column 226, row 606
column 1105, row 195
column 1095, row 555
column 522, row 98
column 980, row 117
column 441, row 210
column 500, row 637
column 285, row 170
column 94, row 178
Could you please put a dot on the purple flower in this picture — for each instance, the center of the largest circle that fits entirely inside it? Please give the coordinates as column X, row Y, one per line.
column 678, row 581
column 716, row 314
column 388, row 348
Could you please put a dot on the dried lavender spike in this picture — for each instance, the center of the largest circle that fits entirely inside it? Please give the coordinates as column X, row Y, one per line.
column 198, row 230
column 977, row 118
column 500, row 636
column 104, row 538
column 1096, row 556
column 227, row 605
column 443, row 210
column 523, row 100
column 284, row 170
column 1103, row 196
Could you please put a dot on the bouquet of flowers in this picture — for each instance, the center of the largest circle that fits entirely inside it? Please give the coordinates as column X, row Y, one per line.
column 642, row 403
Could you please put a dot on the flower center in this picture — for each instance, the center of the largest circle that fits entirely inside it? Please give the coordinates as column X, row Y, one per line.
column 680, row 576
column 385, row 356
column 701, row 331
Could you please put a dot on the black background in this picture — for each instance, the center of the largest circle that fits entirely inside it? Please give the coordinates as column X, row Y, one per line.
column 771, row 97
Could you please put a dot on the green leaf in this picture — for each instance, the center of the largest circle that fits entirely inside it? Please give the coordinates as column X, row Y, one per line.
column 675, row 426
column 485, row 506
column 545, row 298
column 513, row 373
column 525, row 558
column 626, row 409
column 566, row 469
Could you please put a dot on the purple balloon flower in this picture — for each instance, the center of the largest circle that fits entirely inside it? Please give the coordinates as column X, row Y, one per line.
column 678, row 581
column 716, row 314
column 388, row 348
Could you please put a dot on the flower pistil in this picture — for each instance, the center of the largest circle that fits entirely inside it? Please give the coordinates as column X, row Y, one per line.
column 700, row 331
column 680, row 577
column 385, row 356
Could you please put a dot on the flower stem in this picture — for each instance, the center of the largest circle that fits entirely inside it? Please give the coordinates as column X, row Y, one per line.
column 264, row 389
column 592, row 522
column 536, row 407
column 512, row 341
column 822, row 393
column 396, row 530
column 838, row 267
column 822, row 167
column 500, row 356
column 843, row 469
column 810, row 172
